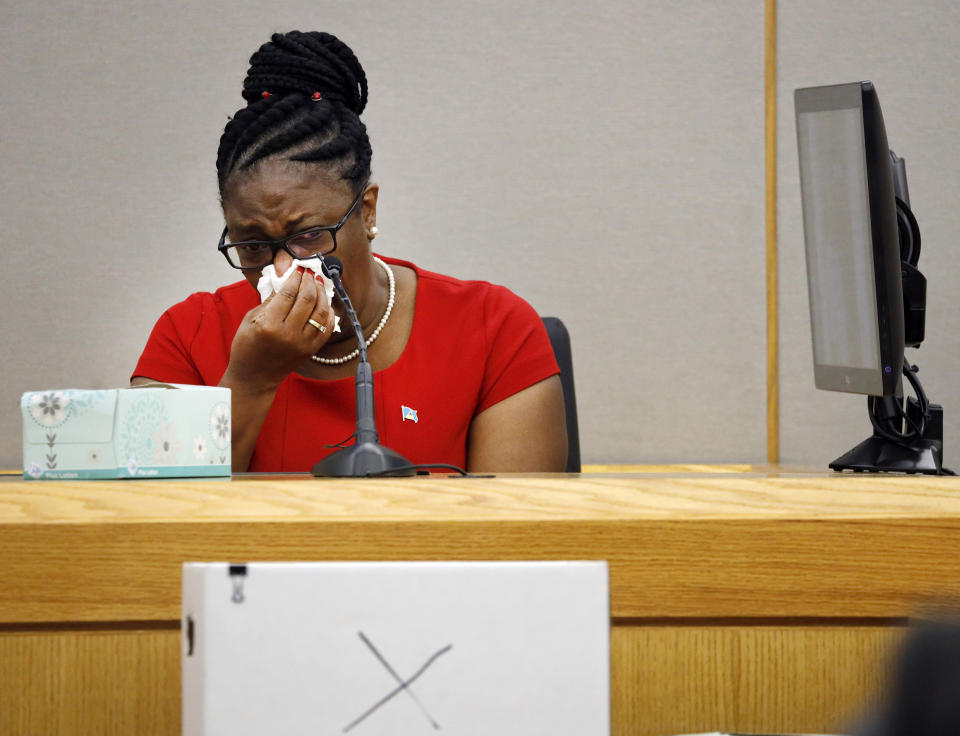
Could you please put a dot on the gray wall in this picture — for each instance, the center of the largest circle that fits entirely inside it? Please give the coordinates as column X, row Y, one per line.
column 605, row 161
column 909, row 53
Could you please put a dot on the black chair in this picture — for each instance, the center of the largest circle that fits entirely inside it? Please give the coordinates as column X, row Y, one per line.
column 560, row 340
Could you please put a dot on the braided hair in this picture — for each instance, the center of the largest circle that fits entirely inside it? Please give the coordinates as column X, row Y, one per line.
column 304, row 93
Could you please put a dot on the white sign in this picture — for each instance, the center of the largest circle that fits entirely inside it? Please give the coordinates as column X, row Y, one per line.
column 403, row 648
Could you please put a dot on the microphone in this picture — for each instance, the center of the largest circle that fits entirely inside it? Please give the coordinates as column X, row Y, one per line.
column 329, row 264
column 366, row 456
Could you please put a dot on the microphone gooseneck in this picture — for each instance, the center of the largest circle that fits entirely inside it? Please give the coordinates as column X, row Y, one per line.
column 366, row 456
column 333, row 267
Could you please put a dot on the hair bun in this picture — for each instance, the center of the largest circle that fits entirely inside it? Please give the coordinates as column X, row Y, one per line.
column 304, row 63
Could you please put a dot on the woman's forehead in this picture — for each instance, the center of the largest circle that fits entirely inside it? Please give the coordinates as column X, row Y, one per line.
column 283, row 188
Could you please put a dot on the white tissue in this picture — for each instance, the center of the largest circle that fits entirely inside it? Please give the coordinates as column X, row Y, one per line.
column 270, row 282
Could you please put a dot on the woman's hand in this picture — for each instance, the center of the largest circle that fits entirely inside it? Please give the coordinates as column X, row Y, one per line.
column 273, row 339
column 276, row 336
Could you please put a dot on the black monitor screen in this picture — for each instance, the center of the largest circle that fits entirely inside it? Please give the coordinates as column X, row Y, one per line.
column 847, row 238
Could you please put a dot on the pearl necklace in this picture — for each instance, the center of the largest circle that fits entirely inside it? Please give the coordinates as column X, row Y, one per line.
column 383, row 320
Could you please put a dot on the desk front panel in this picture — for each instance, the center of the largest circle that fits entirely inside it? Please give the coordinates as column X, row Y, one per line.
column 678, row 546
column 752, row 602
column 692, row 678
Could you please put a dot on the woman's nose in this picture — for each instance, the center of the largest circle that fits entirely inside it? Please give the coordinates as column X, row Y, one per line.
column 281, row 262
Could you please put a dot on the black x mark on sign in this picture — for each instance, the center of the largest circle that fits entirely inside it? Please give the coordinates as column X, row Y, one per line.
column 404, row 684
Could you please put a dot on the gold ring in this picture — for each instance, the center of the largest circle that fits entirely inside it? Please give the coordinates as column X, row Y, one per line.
column 322, row 328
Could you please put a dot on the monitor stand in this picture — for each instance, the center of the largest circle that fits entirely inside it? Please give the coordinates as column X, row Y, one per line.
column 878, row 454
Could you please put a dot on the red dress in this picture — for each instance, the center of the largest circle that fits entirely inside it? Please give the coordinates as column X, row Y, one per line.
column 472, row 344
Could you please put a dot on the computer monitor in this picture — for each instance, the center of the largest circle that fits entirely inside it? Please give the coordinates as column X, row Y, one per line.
column 862, row 245
column 852, row 241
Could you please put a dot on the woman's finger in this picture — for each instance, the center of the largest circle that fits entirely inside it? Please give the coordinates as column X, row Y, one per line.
column 309, row 299
column 284, row 299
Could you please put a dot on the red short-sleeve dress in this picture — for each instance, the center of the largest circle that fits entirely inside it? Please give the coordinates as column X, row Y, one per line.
column 472, row 344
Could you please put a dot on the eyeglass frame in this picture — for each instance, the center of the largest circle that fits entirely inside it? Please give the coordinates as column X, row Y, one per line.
column 281, row 243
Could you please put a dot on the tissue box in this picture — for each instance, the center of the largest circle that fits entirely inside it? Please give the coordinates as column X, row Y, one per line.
column 152, row 431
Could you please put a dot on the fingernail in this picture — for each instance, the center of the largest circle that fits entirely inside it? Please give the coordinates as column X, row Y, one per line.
column 318, row 277
column 300, row 269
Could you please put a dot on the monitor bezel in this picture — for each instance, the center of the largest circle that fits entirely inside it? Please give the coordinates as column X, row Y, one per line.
column 884, row 236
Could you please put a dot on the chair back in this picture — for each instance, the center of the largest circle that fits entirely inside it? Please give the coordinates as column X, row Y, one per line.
column 560, row 340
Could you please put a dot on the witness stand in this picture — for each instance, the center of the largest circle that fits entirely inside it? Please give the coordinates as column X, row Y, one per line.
column 742, row 599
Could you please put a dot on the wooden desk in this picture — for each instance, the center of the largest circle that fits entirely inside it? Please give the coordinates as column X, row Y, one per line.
column 741, row 601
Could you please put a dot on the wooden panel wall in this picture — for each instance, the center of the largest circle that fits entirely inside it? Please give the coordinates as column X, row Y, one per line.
column 665, row 679
column 86, row 683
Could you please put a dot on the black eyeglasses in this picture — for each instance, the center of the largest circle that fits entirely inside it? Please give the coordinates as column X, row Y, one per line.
column 255, row 254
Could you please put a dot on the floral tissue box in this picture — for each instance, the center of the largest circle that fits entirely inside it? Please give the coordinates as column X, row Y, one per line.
column 152, row 431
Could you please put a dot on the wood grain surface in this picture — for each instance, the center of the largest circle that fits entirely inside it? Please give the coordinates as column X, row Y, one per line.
column 646, row 495
column 665, row 680
column 752, row 601
column 90, row 683
column 757, row 679
column 754, row 545
column 770, row 155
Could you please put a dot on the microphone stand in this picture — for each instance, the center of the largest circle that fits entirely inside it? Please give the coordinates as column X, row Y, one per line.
column 366, row 456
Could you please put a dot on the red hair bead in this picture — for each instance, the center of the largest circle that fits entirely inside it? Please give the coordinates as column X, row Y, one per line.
column 265, row 94
column 317, row 97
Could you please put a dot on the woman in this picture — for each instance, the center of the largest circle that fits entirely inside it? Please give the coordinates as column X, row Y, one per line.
column 464, row 372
